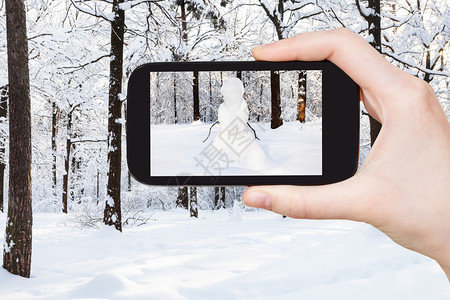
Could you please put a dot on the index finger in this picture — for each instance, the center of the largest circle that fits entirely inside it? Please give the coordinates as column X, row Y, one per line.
column 345, row 49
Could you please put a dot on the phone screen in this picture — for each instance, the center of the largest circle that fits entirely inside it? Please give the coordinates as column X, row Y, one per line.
column 223, row 123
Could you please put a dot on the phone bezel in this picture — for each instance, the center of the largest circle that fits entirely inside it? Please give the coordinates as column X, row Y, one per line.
column 340, row 144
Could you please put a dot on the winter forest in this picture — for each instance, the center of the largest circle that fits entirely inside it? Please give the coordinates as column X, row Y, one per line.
column 81, row 54
column 245, row 141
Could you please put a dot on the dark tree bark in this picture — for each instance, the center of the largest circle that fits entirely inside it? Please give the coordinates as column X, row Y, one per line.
column 129, row 181
column 112, row 213
column 301, row 102
column 125, row 114
column 182, row 4
column 193, row 208
column 3, row 114
column 427, row 76
column 175, row 98
column 183, row 197
column 210, row 118
column 196, row 97
column 18, row 233
column 55, row 120
column 276, row 120
column 65, row 191
column 374, row 25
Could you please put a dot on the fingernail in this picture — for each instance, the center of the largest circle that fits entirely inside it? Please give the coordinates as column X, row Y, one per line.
column 259, row 200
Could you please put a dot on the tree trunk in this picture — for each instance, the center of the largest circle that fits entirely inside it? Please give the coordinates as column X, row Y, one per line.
column 175, row 98
column 55, row 121
column 18, row 233
column 222, row 196
column 183, row 192
column 112, row 213
column 193, row 209
column 183, row 197
column 2, row 185
column 65, row 192
column 129, row 181
column 427, row 78
column 77, row 190
column 276, row 120
column 219, row 197
column 276, row 17
column 183, row 21
column 261, row 101
column 210, row 119
column 196, row 97
column 216, row 197
column 374, row 24
column 301, row 102
column 98, row 186
column 125, row 114
column 3, row 114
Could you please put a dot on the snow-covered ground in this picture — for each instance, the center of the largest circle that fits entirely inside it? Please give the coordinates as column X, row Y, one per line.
column 245, row 255
column 293, row 149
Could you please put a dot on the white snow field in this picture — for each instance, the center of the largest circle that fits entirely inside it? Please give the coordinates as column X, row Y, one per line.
column 221, row 255
column 292, row 149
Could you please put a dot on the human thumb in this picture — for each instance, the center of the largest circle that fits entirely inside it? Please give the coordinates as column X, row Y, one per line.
column 334, row 201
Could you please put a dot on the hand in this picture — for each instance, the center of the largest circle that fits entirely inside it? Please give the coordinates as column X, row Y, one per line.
column 403, row 187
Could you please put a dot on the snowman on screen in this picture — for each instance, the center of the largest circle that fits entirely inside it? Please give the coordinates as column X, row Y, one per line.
column 235, row 137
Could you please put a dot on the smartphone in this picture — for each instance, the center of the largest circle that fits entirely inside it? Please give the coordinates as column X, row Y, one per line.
column 242, row 123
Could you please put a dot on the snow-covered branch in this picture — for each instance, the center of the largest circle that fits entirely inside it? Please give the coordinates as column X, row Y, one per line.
column 88, row 140
column 364, row 11
column 93, row 11
column 289, row 6
column 40, row 35
column 414, row 66
column 400, row 22
column 132, row 3
column 77, row 68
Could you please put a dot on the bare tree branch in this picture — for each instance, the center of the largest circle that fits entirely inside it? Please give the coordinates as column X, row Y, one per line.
column 77, row 68
column 360, row 9
column 39, row 35
column 95, row 12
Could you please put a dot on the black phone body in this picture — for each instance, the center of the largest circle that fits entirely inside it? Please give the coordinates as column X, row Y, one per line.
column 152, row 160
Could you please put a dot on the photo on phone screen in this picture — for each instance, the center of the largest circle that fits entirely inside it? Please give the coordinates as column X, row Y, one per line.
column 221, row 123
